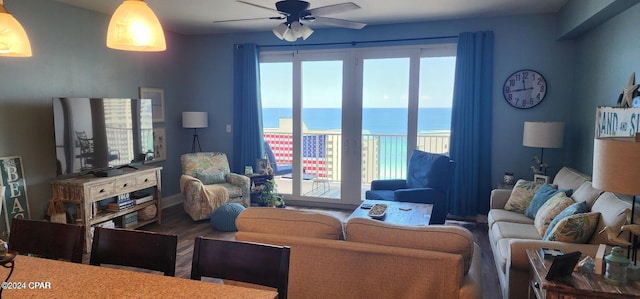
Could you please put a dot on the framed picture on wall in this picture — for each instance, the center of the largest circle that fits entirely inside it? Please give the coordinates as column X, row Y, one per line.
column 541, row 179
column 157, row 102
column 159, row 145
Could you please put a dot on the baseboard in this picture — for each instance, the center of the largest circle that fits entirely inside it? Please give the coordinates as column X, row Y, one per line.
column 172, row 200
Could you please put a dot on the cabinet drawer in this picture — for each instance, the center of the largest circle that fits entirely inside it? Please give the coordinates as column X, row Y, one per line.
column 148, row 179
column 101, row 191
column 125, row 185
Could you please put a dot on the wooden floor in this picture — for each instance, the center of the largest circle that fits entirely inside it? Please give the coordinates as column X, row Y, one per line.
column 176, row 221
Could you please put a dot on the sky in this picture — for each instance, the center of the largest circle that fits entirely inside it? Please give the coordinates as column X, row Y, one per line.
column 385, row 82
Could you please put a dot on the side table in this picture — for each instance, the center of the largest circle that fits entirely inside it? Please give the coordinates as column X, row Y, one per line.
column 585, row 286
column 257, row 180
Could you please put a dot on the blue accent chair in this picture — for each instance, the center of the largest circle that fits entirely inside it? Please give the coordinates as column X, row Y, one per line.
column 277, row 169
column 428, row 181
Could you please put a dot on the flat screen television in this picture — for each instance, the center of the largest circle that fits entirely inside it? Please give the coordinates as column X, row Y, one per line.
column 98, row 134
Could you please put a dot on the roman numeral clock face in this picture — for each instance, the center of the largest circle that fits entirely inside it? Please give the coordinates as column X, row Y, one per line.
column 524, row 89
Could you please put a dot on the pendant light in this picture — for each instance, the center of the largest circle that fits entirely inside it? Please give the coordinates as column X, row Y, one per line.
column 134, row 27
column 14, row 41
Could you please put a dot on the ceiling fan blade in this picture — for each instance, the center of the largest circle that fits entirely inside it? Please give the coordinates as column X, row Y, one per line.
column 332, row 9
column 259, row 6
column 339, row 23
column 249, row 19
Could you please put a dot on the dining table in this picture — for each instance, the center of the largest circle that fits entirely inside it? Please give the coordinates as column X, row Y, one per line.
column 34, row 277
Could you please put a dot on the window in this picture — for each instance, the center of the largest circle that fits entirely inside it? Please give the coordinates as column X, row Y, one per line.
column 347, row 117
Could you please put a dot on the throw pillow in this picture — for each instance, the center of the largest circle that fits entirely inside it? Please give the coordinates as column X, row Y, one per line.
column 209, row 178
column 541, row 196
column 575, row 208
column 550, row 210
column 577, row 228
column 521, row 196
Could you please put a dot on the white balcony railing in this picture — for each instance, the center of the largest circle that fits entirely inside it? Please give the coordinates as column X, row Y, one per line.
column 383, row 156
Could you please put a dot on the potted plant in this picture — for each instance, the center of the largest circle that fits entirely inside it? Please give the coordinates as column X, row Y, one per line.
column 270, row 196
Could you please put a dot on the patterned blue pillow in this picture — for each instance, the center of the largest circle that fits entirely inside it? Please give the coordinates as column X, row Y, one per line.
column 576, row 208
column 541, row 196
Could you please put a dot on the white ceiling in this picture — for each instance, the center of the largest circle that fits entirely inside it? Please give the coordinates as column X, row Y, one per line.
column 198, row 16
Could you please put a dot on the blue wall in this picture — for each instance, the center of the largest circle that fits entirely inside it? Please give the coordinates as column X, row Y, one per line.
column 520, row 42
column 605, row 58
column 71, row 59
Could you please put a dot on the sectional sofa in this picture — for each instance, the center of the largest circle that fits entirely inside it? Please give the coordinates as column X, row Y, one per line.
column 511, row 233
column 367, row 258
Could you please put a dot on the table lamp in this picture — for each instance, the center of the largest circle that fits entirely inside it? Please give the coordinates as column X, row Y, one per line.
column 195, row 120
column 616, row 168
column 543, row 135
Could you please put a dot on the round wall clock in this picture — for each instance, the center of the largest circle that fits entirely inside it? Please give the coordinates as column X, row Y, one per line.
column 524, row 89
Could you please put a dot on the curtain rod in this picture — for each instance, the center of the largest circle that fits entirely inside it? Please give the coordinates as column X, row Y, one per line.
column 354, row 43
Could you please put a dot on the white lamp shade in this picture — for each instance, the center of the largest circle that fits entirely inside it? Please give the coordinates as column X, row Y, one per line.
column 306, row 32
column 543, row 134
column 280, row 30
column 289, row 36
column 14, row 41
column 296, row 28
column 195, row 120
column 134, row 27
column 616, row 165
column 301, row 31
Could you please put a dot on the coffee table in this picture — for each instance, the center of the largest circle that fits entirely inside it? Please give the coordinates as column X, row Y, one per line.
column 401, row 213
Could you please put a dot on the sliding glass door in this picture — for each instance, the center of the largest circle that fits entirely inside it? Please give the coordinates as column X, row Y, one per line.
column 303, row 124
column 337, row 119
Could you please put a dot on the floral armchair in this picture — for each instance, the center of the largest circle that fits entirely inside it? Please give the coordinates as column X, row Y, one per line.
column 207, row 182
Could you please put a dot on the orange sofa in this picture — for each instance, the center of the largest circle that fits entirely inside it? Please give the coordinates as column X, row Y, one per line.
column 367, row 258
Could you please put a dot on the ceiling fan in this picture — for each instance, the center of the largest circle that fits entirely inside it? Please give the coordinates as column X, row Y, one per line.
column 296, row 14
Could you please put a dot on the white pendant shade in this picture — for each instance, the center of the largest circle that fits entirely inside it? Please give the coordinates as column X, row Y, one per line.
column 300, row 30
column 134, row 27
column 14, row 41
column 280, row 30
column 288, row 36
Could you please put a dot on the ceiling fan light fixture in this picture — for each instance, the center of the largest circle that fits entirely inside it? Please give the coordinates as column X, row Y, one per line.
column 306, row 32
column 134, row 27
column 289, row 36
column 14, row 41
column 300, row 30
column 296, row 27
column 281, row 30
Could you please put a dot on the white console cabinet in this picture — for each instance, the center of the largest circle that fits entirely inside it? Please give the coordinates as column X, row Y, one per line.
column 87, row 191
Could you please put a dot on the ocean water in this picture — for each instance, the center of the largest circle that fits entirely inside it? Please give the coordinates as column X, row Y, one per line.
column 374, row 120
